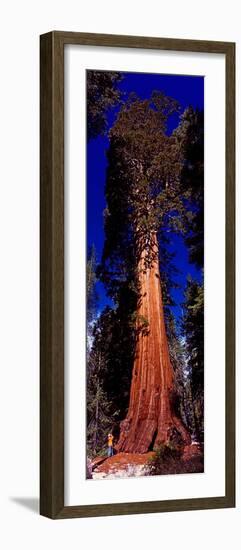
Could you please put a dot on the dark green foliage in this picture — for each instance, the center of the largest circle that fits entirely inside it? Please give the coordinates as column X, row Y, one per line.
column 193, row 330
column 168, row 451
column 178, row 361
column 109, row 374
column 148, row 164
column 98, row 422
column 168, row 459
column 188, row 406
column 167, row 268
column 102, row 95
column 98, row 419
column 191, row 135
column 116, row 338
column 91, row 294
column 142, row 187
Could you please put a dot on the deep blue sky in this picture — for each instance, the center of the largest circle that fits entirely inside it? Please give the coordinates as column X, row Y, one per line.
column 188, row 90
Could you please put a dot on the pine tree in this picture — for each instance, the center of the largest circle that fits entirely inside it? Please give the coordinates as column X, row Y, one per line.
column 91, row 293
column 99, row 420
column 193, row 329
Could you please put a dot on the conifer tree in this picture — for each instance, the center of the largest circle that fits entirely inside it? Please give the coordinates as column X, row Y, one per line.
column 102, row 95
column 190, row 132
column 144, row 197
column 191, row 135
column 91, row 293
column 193, row 329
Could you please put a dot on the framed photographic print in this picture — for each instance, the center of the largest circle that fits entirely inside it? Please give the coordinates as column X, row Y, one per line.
column 137, row 392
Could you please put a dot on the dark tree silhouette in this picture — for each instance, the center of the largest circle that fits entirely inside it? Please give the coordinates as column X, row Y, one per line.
column 102, row 95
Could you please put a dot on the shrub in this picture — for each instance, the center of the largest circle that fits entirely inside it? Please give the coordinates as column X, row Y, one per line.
column 168, row 459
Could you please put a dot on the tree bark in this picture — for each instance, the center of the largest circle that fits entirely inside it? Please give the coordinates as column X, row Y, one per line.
column 150, row 420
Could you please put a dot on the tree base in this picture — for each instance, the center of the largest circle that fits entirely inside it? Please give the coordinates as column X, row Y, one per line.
column 145, row 435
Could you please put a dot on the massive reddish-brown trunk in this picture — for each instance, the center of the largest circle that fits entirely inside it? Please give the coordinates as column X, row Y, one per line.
column 150, row 419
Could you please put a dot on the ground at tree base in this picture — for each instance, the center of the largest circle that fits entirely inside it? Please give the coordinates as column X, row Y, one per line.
column 123, row 465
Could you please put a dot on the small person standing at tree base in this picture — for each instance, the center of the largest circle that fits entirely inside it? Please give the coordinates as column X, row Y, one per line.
column 110, row 445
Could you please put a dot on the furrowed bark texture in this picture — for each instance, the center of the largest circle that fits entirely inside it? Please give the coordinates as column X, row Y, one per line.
column 150, row 419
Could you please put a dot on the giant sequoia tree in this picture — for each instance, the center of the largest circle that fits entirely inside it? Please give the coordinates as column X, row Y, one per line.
column 144, row 198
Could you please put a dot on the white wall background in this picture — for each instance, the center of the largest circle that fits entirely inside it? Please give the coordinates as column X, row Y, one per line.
column 21, row 24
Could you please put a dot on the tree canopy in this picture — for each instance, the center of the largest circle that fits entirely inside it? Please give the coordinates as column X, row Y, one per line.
column 102, row 95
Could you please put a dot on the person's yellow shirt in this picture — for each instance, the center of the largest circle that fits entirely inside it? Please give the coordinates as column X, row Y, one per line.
column 110, row 440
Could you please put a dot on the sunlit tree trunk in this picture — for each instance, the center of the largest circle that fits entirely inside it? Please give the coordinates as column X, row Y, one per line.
column 150, row 419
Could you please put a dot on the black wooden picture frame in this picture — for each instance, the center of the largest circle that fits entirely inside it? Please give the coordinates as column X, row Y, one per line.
column 52, row 274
